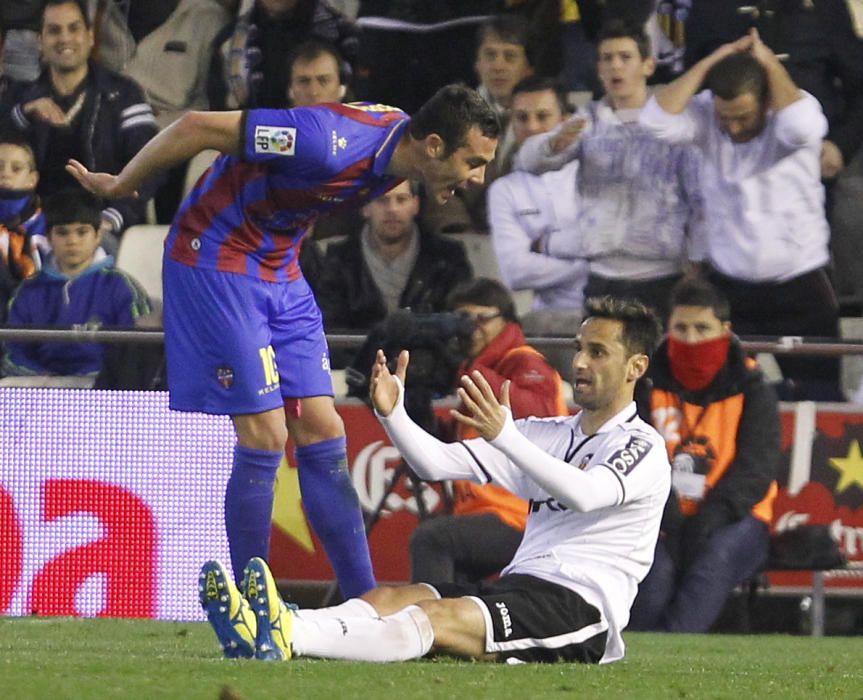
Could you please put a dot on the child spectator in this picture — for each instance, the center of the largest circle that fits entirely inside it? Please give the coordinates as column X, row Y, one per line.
column 79, row 287
column 22, row 226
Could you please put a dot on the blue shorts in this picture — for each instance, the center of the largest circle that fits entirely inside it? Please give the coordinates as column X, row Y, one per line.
column 237, row 345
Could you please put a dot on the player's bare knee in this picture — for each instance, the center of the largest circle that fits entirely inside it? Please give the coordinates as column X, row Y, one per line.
column 389, row 599
column 459, row 627
column 262, row 431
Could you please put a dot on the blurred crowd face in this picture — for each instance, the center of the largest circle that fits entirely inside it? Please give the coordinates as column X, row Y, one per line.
column 275, row 8
column 17, row 170
column 500, row 65
column 695, row 324
column 391, row 216
column 534, row 113
column 74, row 245
column 65, row 39
column 623, row 72
column 316, row 81
column 489, row 324
column 742, row 118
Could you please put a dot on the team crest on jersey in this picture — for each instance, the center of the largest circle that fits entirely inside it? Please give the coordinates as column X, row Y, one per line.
column 627, row 459
column 280, row 140
column 225, row 375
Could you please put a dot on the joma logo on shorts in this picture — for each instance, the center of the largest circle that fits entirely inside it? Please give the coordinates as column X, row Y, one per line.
column 505, row 618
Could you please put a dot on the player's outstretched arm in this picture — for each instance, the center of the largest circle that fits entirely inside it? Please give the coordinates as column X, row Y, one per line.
column 384, row 391
column 186, row 137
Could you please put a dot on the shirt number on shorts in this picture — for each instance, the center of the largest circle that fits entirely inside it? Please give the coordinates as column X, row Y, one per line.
column 268, row 359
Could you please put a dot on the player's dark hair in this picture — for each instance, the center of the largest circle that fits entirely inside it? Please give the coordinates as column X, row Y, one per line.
column 54, row 3
column 72, row 205
column 483, row 291
column 626, row 29
column 641, row 327
column 736, row 75
column 451, row 113
column 699, row 292
column 315, row 48
column 541, row 83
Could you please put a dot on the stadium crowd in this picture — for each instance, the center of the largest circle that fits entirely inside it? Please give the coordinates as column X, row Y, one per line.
column 643, row 145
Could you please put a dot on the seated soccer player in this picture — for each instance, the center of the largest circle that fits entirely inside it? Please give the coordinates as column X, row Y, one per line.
column 597, row 482
column 78, row 287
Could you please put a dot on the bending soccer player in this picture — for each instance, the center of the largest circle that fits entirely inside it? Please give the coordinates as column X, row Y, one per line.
column 243, row 333
column 596, row 483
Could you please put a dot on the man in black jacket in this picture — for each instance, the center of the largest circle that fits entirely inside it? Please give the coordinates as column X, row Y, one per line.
column 390, row 264
column 720, row 421
column 79, row 109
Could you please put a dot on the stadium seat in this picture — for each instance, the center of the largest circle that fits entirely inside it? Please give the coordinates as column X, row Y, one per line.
column 851, row 366
column 197, row 165
column 140, row 255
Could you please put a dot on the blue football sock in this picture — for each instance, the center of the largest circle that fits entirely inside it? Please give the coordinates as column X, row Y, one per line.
column 249, row 505
column 333, row 509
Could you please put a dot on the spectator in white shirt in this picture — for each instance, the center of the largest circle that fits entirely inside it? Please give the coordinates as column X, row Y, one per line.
column 766, row 230
column 638, row 197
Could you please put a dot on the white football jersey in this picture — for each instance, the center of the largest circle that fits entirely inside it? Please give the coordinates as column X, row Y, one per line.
column 601, row 544
column 601, row 554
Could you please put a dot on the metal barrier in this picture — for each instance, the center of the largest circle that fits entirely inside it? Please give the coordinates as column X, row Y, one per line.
column 785, row 345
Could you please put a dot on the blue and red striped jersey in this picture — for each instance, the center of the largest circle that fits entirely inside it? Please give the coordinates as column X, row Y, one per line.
column 248, row 214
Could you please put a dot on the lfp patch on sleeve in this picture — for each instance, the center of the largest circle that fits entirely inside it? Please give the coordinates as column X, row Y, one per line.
column 278, row 140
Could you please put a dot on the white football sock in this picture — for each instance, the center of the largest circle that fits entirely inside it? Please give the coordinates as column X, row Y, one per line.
column 406, row 634
column 355, row 607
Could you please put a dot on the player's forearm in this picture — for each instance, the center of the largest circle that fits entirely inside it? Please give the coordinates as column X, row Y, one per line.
column 583, row 491
column 185, row 138
column 429, row 457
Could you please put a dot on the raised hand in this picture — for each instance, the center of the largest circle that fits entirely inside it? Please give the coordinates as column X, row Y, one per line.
column 759, row 50
column 487, row 414
column 383, row 389
column 100, row 184
column 46, row 110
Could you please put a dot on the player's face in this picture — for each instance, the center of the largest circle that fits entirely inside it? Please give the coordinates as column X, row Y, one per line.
column 695, row 324
column 742, row 118
column 623, row 72
column 17, row 171
column 601, row 365
column 465, row 166
column 74, row 246
column 534, row 113
column 500, row 65
column 315, row 82
column 66, row 41
column 391, row 216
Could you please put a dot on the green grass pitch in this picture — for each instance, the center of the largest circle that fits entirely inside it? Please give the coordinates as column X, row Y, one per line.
column 61, row 658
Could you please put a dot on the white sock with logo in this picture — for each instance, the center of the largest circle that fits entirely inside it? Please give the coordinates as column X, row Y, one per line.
column 355, row 607
column 406, row 634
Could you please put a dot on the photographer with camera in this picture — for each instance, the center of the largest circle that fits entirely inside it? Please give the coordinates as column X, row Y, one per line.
column 481, row 535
